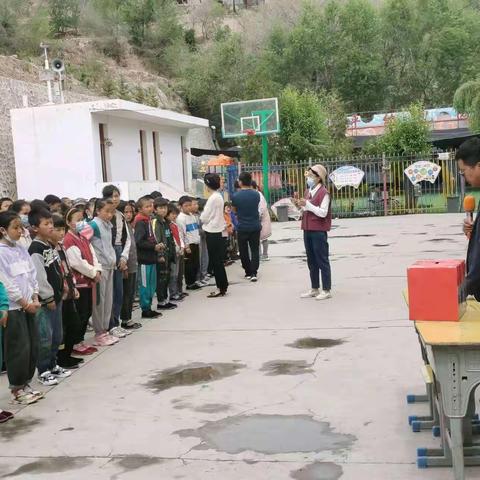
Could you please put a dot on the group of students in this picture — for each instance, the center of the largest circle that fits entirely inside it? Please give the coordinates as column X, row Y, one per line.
column 63, row 263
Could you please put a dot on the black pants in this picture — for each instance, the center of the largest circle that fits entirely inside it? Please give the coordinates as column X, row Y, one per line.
column 21, row 348
column 163, row 279
column 129, row 287
column 192, row 264
column 216, row 255
column 72, row 327
column 252, row 240
column 84, row 310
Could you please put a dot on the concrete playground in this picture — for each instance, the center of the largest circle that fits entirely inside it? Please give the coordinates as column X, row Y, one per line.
column 259, row 384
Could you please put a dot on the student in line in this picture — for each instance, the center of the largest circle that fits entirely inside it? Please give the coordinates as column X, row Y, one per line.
column 71, row 323
column 50, row 292
column 5, row 204
column 54, row 203
column 4, row 305
column 175, row 287
column 102, row 244
column 18, row 275
column 121, row 243
column 166, row 256
column 188, row 225
column 213, row 219
column 130, row 276
column 22, row 208
column 266, row 222
column 147, row 254
column 86, row 270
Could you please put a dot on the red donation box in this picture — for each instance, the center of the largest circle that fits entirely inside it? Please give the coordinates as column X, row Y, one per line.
column 434, row 291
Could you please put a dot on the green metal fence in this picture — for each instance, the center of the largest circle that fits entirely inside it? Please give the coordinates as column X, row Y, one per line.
column 385, row 188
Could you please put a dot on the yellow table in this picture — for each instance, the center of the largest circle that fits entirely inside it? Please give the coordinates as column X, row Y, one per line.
column 453, row 351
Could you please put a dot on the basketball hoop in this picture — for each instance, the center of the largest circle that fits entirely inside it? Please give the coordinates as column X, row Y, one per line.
column 250, row 132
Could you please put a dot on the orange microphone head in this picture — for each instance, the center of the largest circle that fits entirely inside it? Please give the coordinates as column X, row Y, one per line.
column 469, row 203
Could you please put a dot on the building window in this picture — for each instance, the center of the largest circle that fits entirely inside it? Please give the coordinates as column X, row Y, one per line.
column 156, row 156
column 186, row 175
column 143, row 153
column 102, row 130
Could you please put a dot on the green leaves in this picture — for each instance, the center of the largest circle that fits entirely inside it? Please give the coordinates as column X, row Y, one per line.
column 467, row 101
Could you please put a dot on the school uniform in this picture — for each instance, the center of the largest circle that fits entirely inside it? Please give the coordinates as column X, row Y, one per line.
column 189, row 228
column 130, row 281
column 175, row 287
column 166, row 257
column 18, row 275
column 102, row 244
column 147, row 260
column 50, row 289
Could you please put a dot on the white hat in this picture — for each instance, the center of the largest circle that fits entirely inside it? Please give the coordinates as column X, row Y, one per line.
column 320, row 171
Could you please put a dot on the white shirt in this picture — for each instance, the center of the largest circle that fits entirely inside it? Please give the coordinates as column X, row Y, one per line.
column 212, row 217
column 322, row 210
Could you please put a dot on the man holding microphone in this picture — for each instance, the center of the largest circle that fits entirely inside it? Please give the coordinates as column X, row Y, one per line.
column 468, row 158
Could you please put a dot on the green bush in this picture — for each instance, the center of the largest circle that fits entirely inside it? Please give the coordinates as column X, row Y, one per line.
column 111, row 47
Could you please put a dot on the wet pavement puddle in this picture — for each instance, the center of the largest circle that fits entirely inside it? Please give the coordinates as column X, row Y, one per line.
column 318, row 471
column 286, row 367
column 269, row 434
column 310, row 342
column 192, row 374
column 49, row 465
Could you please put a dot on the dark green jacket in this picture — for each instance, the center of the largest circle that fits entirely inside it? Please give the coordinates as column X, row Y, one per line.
column 163, row 234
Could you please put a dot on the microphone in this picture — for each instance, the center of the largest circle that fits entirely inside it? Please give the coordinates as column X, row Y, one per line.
column 469, row 206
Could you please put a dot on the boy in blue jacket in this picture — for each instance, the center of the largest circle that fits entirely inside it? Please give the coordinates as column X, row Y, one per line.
column 4, row 415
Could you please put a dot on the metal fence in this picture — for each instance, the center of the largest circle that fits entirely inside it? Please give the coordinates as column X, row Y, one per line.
column 385, row 189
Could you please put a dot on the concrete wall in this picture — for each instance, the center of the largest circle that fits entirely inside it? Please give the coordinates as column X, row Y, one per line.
column 12, row 93
column 54, row 152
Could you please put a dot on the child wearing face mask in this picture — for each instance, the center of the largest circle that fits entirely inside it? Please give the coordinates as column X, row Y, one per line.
column 103, row 246
column 18, row 275
column 86, row 269
column 22, row 209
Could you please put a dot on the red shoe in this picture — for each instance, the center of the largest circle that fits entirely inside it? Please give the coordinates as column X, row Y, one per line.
column 83, row 349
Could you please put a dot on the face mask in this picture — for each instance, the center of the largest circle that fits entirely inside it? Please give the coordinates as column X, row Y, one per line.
column 79, row 226
column 24, row 219
column 310, row 182
column 7, row 238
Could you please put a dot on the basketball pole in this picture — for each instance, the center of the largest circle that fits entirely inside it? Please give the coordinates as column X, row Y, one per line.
column 266, row 188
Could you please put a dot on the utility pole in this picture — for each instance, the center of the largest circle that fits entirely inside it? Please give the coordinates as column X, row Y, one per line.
column 44, row 47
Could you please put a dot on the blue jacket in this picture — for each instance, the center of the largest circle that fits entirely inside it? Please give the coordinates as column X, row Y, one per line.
column 4, row 304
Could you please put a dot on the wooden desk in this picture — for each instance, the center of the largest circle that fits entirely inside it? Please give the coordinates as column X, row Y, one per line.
column 453, row 351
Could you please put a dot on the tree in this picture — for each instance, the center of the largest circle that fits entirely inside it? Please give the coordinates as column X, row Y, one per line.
column 64, row 16
column 124, row 90
column 467, row 101
column 404, row 134
column 139, row 16
column 109, row 88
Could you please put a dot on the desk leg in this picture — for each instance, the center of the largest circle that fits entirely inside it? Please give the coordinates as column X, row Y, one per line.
column 456, row 431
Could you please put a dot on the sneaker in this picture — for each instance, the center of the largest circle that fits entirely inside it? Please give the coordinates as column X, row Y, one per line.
column 204, row 282
column 105, row 340
column 21, row 397
column 193, row 287
column 150, row 314
column 254, row 279
column 47, row 379
column 166, row 306
column 312, row 293
column 83, row 349
column 265, row 258
column 60, row 372
column 131, row 325
column 117, row 332
column 200, row 284
column 177, row 298
column 5, row 416
column 36, row 393
column 248, row 277
column 323, row 295
column 69, row 362
column 185, row 294
column 125, row 331
column 112, row 339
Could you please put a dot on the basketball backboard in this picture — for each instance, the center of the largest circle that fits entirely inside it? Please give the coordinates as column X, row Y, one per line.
column 258, row 117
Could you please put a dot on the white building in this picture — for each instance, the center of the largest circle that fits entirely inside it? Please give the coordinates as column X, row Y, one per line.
column 74, row 149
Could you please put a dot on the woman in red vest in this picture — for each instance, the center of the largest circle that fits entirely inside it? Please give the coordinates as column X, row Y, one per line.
column 316, row 223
